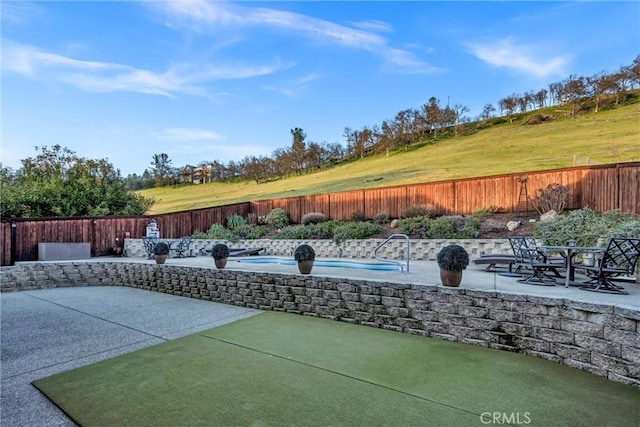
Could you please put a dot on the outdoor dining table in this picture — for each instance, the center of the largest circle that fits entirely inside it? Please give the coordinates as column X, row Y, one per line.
column 569, row 252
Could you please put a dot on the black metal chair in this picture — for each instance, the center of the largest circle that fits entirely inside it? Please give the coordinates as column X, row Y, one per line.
column 619, row 259
column 536, row 262
column 149, row 243
column 181, row 247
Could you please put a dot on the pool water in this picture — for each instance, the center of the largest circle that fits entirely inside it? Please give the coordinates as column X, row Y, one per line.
column 380, row 266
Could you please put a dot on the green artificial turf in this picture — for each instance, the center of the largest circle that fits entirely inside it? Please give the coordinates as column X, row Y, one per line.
column 278, row 369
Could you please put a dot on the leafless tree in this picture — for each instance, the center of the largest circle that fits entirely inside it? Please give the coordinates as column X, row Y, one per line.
column 574, row 90
column 539, row 98
column 457, row 115
column 509, row 105
column 487, row 112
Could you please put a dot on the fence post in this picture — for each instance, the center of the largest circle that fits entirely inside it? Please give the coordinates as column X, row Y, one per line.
column 14, row 227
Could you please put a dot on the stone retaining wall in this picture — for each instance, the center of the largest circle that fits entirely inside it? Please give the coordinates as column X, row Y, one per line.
column 421, row 249
column 600, row 339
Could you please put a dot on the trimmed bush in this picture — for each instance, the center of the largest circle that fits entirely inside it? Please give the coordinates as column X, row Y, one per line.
column 248, row 231
column 220, row 251
column 453, row 257
column 161, row 248
column 381, row 218
column 277, row 218
column 358, row 216
column 413, row 211
column 463, row 227
column 444, row 227
column 416, row 227
column 304, row 252
column 355, row 230
column 440, row 228
column 313, row 218
column 295, row 232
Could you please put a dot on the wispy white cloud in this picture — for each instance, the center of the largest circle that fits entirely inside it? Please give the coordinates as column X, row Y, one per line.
column 293, row 88
column 20, row 13
column 405, row 62
column 186, row 134
column 202, row 15
column 93, row 76
column 521, row 57
column 373, row 25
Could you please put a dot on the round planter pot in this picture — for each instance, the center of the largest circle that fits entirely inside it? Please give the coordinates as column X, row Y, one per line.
column 160, row 259
column 450, row 277
column 220, row 263
column 305, row 266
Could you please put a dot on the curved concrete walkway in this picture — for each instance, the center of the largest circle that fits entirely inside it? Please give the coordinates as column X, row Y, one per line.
column 53, row 330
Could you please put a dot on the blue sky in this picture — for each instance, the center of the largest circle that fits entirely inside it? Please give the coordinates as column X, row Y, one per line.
column 204, row 81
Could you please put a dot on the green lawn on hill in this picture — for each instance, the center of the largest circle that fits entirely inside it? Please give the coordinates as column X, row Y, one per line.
column 609, row 136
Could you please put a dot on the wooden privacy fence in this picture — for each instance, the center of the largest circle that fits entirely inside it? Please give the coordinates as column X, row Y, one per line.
column 602, row 188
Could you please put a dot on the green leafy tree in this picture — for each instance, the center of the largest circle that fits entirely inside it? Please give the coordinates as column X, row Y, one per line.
column 162, row 171
column 56, row 182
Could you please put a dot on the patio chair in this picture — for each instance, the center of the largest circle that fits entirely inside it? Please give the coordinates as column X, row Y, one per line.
column 493, row 260
column 619, row 259
column 149, row 243
column 245, row 252
column 180, row 247
column 536, row 262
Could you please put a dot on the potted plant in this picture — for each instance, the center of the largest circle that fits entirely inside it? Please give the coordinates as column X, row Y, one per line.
column 452, row 259
column 161, row 252
column 220, row 253
column 305, row 255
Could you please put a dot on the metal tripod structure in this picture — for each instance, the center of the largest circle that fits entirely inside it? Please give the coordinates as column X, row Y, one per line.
column 523, row 195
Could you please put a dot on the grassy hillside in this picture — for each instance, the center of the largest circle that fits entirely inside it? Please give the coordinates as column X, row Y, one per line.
column 606, row 137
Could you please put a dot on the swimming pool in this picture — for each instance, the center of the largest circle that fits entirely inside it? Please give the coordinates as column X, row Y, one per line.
column 379, row 266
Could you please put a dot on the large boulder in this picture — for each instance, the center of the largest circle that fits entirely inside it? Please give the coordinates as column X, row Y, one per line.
column 548, row 216
column 513, row 225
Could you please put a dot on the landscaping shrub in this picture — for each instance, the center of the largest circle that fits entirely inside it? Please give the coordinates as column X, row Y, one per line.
column 325, row 230
column 381, row 218
column 440, row 228
column 358, row 216
column 415, row 227
column 235, row 221
column 419, row 211
column 217, row 232
column 444, row 227
column 586, row 226
column 484, row 212
column 553, row 197
column 463, row 227
column 294, row 232
column 248, row 231
column 277, row 218
column 355, row 230
column 313, row 218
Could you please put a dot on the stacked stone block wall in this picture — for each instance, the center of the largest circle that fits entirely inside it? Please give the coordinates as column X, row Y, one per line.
column 421, row 249
column 601, row 339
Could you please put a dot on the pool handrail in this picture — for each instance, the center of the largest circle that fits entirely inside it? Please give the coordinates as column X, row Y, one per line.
column 387, row 240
